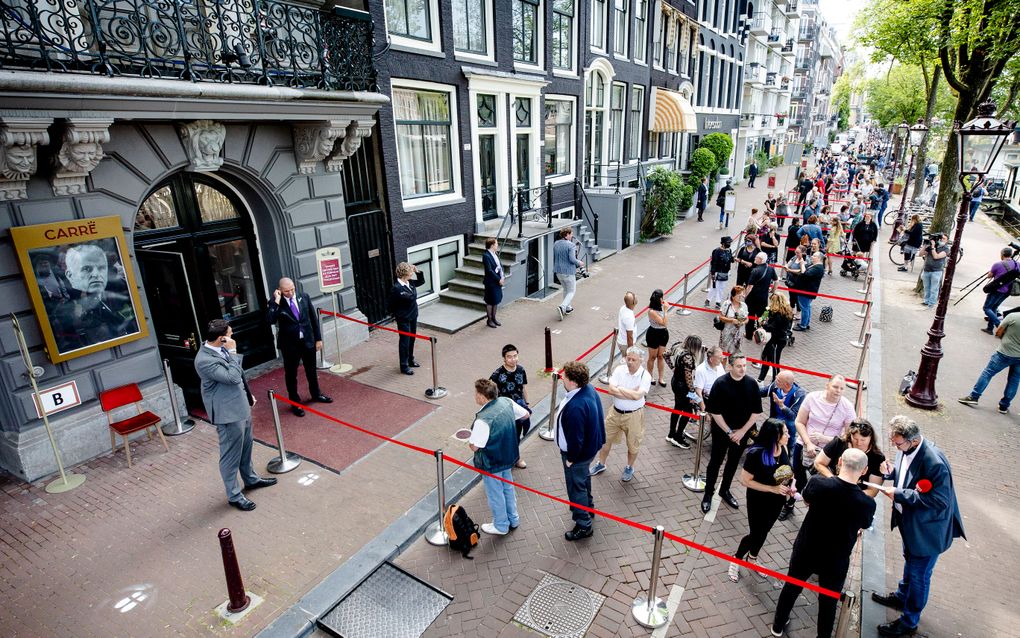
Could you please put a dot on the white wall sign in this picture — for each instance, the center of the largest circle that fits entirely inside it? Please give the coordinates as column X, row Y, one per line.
column 331, row 273
column 713, row 124
column 57, row 398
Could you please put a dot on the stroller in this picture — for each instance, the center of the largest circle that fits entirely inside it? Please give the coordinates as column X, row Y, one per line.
column 851, row 266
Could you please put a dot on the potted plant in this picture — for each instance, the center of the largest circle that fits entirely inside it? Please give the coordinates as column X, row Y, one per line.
column 662, row 202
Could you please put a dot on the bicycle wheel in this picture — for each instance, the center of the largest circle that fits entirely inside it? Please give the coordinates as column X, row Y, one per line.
column 890, row 217
column 896, row 255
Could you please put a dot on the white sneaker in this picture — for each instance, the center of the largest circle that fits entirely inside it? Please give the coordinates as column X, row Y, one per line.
column 734, row 570
column 560, row 310
column 490, row 528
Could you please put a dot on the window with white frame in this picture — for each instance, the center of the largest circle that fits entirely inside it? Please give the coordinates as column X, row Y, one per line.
column 653, row 145
column 525, row 26
column 620, row 26
column 641, row 30
column 413, row 23
column 559, row 125
column 617, row 102
column 637, row 108
column 563, row 34
column 598, row 24
column 438, row 261
column 424, row 132
column 662, row 46
column 470, row 26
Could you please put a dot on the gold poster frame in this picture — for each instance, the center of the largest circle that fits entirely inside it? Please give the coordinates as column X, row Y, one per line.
column 67, row 330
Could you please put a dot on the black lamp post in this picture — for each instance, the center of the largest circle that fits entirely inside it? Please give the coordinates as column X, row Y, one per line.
column 916, row 132
column 978, row 144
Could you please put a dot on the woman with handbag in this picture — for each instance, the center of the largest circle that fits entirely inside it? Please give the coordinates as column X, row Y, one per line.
column 914, row 237
column 733, row 316
column 777, row 327
column 685, row 398
column 657, row 336
column 719, row 273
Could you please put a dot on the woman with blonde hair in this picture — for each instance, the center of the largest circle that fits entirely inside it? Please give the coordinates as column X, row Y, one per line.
column 835, row 239
column 733, row 314
column 778, row 325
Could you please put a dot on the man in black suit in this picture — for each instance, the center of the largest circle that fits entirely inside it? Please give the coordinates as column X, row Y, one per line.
column 403, row 303
column 702, row 198
column 298, row 339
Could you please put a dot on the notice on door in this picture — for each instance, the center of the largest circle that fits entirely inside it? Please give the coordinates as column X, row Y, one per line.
column 56, row 399
column 331, row 273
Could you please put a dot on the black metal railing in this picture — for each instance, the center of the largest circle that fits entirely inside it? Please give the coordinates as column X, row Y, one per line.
column 265, row 42
column 770, row 78
column 788, row 46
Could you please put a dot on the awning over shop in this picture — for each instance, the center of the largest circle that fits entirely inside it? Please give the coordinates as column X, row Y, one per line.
column 671, row 112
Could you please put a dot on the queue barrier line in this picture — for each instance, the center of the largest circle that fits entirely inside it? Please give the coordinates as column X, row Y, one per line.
column 593, row 348
column 822, row 295
column 655, row 405
column 375, row 325
column 700, row 309
column 828, row 254
column 607, row 515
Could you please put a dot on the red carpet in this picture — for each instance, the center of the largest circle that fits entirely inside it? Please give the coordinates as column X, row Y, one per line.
column 326, row 442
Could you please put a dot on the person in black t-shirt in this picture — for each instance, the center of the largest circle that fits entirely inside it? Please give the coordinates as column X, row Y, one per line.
column 511, row 381
column 837, row 511
column 767, row 475
column 861, row 435
column 734, row 403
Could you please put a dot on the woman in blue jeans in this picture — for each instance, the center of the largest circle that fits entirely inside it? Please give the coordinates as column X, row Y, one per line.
column 934, row 253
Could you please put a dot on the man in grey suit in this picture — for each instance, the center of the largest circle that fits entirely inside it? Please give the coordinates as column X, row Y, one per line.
column 228, row 403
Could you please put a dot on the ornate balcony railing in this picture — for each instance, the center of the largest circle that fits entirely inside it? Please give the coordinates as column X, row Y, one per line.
column 263, row 42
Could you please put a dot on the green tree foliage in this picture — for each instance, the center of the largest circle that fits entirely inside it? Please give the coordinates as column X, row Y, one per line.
column 899, row 96
column 662, row 201
column 851, row 82
column 721, row 146
column 703, row 162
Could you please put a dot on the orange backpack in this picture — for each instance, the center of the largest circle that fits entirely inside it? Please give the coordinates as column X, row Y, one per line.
column 460, row 529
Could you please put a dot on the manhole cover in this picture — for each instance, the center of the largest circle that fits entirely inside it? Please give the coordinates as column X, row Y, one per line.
column 559, row 608
column 390, row 603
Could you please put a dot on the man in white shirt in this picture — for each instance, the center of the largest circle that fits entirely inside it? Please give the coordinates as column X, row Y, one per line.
column 625, row 324
column 628, row 385
column 704, row 376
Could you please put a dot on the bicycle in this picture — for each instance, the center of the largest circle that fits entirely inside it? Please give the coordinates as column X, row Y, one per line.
column 898, row 256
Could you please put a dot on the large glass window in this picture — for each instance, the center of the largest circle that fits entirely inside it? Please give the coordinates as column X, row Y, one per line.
column 598, row 24
column 620, row 26
column 469, row 28
column 559, row 122
column 409, row 18
column 563, row 34
column 423, row 131
column 637, row 107
column 641, row 30
column 616, row 106
column 438, row 261
column 157, row 211
column 525, row 30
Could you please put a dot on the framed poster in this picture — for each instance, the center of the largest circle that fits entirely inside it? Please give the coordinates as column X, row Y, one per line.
column 81, row 285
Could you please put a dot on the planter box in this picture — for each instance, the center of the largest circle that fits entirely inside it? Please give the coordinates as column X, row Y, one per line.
column 896, row 189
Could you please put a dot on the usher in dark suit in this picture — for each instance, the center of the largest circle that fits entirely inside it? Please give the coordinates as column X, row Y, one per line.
column 296, row 340
column 403, row 303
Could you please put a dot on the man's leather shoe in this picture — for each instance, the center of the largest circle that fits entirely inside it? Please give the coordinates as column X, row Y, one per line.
column 243, row 504
column 322, row 398
column 414, row 364
column 896, row 628
column 889, row 600
column 297, row 411
column 262, row 482
column 729, row 500
column 578, row 533
column 706, row 506
column 407, row 371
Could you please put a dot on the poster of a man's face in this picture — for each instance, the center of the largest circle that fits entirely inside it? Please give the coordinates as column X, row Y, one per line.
column 86, row 295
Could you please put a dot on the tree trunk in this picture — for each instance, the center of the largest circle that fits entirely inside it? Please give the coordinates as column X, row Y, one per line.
column 922, row 151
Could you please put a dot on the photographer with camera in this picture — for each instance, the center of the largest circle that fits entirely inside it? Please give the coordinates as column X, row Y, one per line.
column 1002, row 275
column 934, row 251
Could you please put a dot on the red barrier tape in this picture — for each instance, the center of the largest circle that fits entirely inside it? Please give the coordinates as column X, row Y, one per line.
column 699, row 308
column 656, row 405
column 812, row 373
column 818, row 294
column 594, row 347
column 375, row 325
column 562, row 501
column 837, row 254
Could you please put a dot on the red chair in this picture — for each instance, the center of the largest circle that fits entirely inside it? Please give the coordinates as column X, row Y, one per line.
column 119, row 397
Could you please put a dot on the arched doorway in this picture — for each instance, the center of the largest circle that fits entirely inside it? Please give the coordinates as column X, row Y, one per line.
column 195, row 245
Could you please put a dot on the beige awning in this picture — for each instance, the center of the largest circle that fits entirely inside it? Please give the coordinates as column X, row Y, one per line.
column 671, row 113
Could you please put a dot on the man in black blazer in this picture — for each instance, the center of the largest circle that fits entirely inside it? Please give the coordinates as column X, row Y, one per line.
column 403, row 303
column 298, row 339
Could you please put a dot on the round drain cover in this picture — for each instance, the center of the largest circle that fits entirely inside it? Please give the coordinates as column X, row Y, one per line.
column 561, row 608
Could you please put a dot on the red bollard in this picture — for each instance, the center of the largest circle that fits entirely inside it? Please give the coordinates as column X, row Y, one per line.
column 239, row 601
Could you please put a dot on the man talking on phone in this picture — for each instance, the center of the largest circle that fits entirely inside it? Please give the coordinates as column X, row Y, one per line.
column 228, row 403
column 298, row 339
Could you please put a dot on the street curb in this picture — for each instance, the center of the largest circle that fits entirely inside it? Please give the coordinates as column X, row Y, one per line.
column 299, row 620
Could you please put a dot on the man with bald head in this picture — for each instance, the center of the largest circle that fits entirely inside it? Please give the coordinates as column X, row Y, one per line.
column 298, row 339
column 626, row 324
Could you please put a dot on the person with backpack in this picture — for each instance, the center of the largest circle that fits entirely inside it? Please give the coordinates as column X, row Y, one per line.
column 684, row 361
column 494, row 441
column 1002, row 275
column 719, row 272
column 720, row 201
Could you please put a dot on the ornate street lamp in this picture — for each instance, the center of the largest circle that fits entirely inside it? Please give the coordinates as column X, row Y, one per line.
column 916, row 132
column 979, row 142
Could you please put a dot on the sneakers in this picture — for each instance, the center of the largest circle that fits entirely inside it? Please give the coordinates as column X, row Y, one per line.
column 786, row 512
column 598, row 468
column 569, row 310
column 680, row 443
column 1003, row 410
column 988, row 330
column 707, row 303
column 490, row 528
column 628, row 474
column 559, row 309
column 778, row 632
column 968, row 400
column 734, row 572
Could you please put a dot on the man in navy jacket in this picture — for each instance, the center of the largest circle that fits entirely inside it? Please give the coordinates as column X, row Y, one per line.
column 298, row 339
column 580, row 434
column 925, row 510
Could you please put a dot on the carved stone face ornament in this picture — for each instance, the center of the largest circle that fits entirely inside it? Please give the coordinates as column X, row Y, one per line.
column 79, row 154
column 203, row 143
column 19, row 139
column 18, row 162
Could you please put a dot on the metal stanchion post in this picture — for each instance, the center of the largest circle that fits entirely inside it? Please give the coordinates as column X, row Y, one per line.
column 436, row 391
column 178, row 426
column 436, row 534
column 684, row 311
column 287, row 461
column 340, row 367
column 864, row 327
column 847, row 601
column 860, row 362
column 238, row 599
column 548, row 432
column 695, row 481
column 648, row 610
column 604, row 379
column 858, row 401
column 866, row 290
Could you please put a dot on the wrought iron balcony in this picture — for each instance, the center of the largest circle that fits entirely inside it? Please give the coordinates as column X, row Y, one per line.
column 788, row 47
column 770, row 78
column 775, row 38
column 263, row 42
